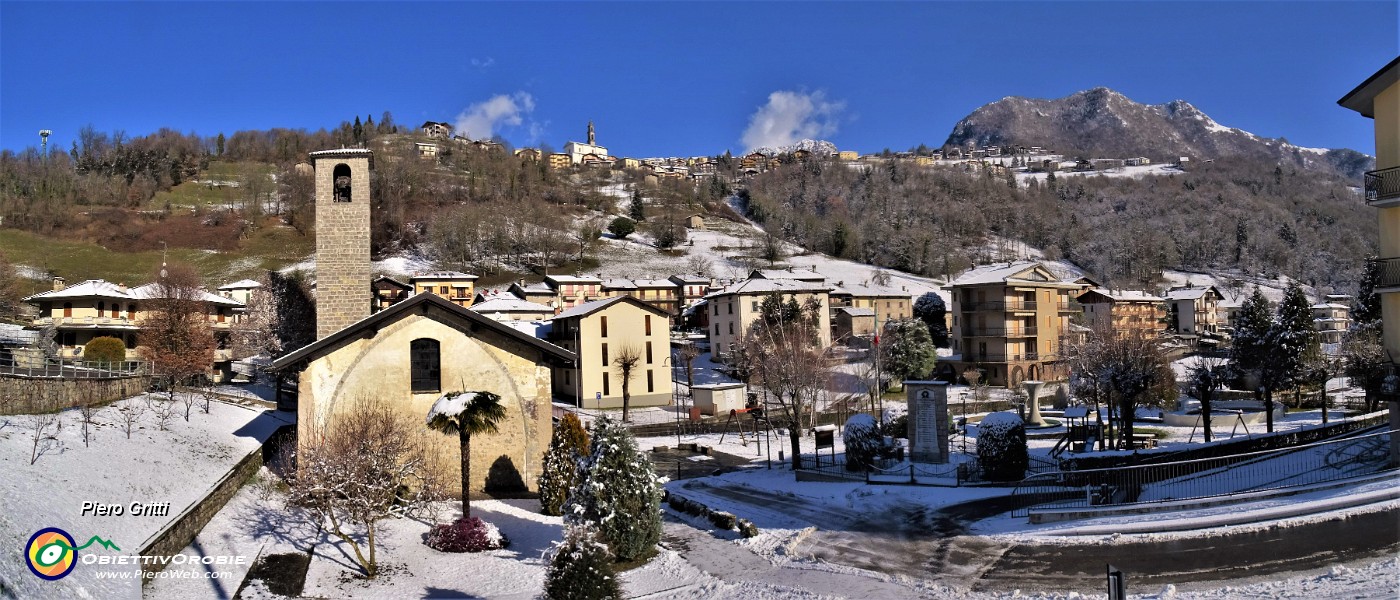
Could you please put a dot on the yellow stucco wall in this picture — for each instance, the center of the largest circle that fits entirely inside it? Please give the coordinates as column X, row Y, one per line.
column 378, row 367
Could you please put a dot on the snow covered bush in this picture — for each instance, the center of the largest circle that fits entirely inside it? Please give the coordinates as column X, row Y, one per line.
column 580, row 568
column 862, row 438
column 560, row 472
column 466, row 535
column 619, row 494
column 1001, row 447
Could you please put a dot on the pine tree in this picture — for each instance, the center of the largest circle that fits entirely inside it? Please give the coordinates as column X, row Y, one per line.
column 931, row 309
column 908, row 350
column 560, row 472
column 359, row 130
column 619, row 493
column 1250, row 348
column 638, row 209
column 1367, row 308
column 580, row 568
column 1293, row 339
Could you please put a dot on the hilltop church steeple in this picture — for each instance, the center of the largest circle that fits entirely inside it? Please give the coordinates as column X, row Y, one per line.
column 590, row 134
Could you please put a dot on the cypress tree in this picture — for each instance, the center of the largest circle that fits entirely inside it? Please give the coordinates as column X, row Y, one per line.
column 560, row 473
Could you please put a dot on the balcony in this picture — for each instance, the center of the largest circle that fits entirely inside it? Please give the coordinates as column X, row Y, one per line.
column 1008, row 332
column 1383, row 187
column 1002, row 358
column 999, row 306
column 1390, row 275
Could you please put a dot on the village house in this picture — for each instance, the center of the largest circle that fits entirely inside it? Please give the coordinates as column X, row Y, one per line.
column 389, row 291
column 803, row 275
column 560, row 161
column 573, row 290
column 848, row 322
column 530, row 154
column 695, row 221
column 427, row 150
column 886, row 304
column 690, row 287
column 602, row 331
column 538, row 292
column 436, row 130
column 1009, row 321
column 505, row 307
column 97, row 308
column 1126, row 313
column 458, row 287
column 413, row 352
column 1193, row 310
column 735, row 308
column 1332, row 318
column 848, row 155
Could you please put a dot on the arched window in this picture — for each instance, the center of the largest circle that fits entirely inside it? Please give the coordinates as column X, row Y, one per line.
column 425, row 365
column 101, row 308
column 341, row 183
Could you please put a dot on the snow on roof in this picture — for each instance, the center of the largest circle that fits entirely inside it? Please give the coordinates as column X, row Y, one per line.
column 1127, row 295
column 87, row 289
column 588, row 307
column 787, row 274
column 538, row 287
column 619, row 284
column 858, row 312
column 1330, row 305
column 654, row 283
column 997, row 273
column 870, row 290
column 1189, row 293
column 443, row 275
column 690, row 279
column 243, row 284
column 151, row 291
column 572, row 279
column 762, row 286
column 509, row 304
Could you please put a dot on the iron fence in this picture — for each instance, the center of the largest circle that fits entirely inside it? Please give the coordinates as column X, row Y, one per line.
column 1306, row 464
column 1382, row 184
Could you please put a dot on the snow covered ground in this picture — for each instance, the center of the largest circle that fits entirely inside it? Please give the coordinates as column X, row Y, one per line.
column 177, row 465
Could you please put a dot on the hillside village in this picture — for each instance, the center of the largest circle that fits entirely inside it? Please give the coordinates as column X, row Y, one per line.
column 503, row 370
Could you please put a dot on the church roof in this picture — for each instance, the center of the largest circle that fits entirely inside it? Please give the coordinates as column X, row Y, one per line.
column 423, row 304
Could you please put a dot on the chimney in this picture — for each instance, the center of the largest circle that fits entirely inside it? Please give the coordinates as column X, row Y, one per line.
column 58, row 283
column 121, row 287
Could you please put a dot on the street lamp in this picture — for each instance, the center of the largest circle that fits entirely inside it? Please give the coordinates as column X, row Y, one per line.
column 964, row 416
column 163, row 250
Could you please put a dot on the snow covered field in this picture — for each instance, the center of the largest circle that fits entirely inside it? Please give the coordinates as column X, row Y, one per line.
column 175, row 466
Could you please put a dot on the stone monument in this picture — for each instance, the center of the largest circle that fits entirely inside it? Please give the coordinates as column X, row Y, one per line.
column 928, row 420
column 1033, row 418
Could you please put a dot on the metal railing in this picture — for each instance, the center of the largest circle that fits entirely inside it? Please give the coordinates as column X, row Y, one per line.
column 1008, row 357
column 1208, row 477
column 1389, row 272
column 999, row 305
column 1382, row 184
column 999, row 331
column 77, row 369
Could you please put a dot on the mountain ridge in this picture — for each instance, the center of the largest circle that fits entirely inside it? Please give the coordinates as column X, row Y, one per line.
column 1103, row 123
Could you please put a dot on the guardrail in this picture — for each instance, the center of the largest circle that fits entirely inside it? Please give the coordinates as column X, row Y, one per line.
column 1207, row 477
column 78, row 370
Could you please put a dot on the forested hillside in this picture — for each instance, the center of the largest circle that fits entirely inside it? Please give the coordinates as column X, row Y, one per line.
column 1232, row 213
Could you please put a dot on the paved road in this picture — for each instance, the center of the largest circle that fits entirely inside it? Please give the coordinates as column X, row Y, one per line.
column 910, row 540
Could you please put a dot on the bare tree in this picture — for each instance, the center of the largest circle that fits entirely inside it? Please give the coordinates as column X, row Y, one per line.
column 189, row 399
column 40, row 427
column 87, row 410
column 164, row 410
column 175, row 336
column 129, row 413
column 687, row 355
column 370, row 464
column 785, row 357
column 628, row 357
column 1207, row 376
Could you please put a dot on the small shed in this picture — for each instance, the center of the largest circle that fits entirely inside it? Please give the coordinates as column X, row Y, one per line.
column 695, row 221
column 717, row 399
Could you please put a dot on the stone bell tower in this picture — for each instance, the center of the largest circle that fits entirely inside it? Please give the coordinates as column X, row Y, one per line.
column 343, row 294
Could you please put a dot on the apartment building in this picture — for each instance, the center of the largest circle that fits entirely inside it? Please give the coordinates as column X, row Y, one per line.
column 1009, row 321
column 573, row 290
column 1193, row 310
column 886, row 304
column 600, row 332
column 505, row 307
column 1332, row 318
column 733, row 309
column 458, row 287
column 1127, row 313
column 389, row 291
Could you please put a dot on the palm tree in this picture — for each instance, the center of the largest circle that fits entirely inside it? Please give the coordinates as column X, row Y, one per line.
column 465, row 413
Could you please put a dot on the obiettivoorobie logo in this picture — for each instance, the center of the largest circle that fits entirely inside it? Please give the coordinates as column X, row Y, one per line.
column 51, row 553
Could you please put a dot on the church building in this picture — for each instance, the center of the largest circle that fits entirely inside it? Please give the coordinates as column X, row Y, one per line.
column 578, row 151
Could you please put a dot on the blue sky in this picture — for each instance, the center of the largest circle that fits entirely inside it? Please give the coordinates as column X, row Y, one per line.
column 676, row 78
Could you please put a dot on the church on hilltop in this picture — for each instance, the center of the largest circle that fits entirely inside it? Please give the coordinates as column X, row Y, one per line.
column 580, row 153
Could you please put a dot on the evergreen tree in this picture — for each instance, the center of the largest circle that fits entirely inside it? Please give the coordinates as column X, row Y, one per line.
column 580, row 568
column 560, row 471
column 638, row 209
column 1293, row 339
column 622, row 227
column 219, row 142
column 1250, row 348
column 908, row 351
column 931, row 309
column 359, row 131
column 1367, row 308
column 619, row 493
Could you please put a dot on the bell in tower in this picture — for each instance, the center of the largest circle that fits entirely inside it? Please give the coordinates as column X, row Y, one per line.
column 590, row 134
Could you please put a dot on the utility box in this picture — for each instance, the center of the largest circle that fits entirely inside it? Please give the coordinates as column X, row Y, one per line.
column 716, row 399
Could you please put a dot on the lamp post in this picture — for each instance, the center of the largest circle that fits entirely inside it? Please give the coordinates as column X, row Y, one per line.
column 964, row 416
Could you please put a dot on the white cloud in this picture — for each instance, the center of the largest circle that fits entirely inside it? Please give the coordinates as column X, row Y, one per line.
column 485, row 119
column 483, row 63
column 789, row 117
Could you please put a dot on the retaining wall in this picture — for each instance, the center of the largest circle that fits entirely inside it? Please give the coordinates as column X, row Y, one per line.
column 26, row 395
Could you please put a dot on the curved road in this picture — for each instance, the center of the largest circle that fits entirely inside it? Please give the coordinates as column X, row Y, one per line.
column 909, row 540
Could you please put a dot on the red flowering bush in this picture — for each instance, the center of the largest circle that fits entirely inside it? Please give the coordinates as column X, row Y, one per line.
column 466, row 535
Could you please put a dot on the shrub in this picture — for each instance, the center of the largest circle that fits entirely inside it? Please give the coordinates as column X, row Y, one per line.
column 560, row 472
column 747, row 528
column 622, row 227
column 580, row 568
column 1001, row 447
column 466, row 535
column 105, row 349
column 619, row 494
column 898, row 427
column 863, row 440
column 724, row 520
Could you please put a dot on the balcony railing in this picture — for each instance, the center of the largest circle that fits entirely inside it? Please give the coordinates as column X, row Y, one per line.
column 1008, row 357
column 1390, row 272
column 999, row 305
column 1010, row 332
column 1382, row 185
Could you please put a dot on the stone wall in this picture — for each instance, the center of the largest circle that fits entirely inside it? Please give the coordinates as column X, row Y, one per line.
column 180, row 533
column 34, row 395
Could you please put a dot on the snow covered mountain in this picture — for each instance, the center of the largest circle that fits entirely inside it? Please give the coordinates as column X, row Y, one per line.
column 1102, row 123
column 817, row 147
